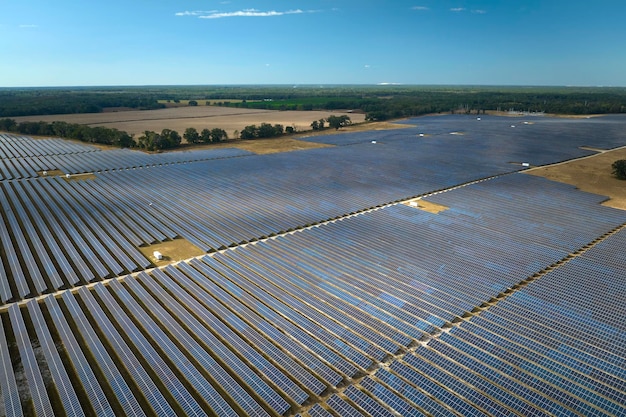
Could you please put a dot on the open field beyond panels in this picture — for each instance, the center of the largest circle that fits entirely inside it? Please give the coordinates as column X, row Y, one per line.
column 397, row 272
column 201, row 117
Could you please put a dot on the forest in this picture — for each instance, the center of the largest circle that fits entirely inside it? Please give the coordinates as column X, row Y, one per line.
column 378, row 102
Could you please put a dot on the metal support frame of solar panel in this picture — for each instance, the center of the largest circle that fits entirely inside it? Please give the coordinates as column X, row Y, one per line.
column 307, row 318
column 216, row 370
column 138, row 374
column 281, row 317
column 59, row 375
column 250, row 335
column 257, row 320
column 233, row 350
column 81, row 366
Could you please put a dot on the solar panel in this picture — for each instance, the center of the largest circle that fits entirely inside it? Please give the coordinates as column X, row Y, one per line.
column 55, row 365
column 37, row 388
column 8, row 385
column 216, row 371
column 143, row 380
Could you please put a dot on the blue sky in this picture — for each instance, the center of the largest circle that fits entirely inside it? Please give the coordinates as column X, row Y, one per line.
column 156, row 42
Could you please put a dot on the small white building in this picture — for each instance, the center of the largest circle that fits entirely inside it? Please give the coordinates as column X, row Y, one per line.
column 158, row 255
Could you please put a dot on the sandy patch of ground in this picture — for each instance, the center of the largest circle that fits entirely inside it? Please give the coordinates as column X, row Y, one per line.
column 424, row 205
column 230, row 119
column 592, row 174
column 175, row 250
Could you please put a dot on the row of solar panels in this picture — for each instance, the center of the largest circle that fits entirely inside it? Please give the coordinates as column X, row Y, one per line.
column 30, row 158
column 12, row 146
column 252, row 331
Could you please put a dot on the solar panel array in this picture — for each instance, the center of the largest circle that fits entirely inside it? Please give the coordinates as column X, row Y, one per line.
column 391, row 312
column 24, row 157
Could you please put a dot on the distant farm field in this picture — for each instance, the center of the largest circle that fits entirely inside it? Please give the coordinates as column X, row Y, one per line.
column 201, row 117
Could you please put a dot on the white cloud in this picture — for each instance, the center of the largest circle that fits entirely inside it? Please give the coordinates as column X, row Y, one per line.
column 479, row 11
column 195, row 13
column 420, row 8
column 366, row 66
column 29, row 26
column 457, row 9
column 249, row 13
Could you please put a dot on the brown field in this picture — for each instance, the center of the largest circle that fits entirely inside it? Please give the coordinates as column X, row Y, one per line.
column 201, row 117
column 591, row 174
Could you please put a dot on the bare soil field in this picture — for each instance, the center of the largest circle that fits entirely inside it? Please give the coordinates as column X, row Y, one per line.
column 592, row 174
column 179, row 118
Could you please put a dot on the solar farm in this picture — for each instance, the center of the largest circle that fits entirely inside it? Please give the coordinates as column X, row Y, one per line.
column 324, row 285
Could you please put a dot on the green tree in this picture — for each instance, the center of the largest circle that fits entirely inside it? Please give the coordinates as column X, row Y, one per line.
column 7, row 125
column 193, row 103
column 205, row 136
column 218, row 135
column 315, row 125
column 191, row 135
column 249, row 132
column 619, row 169
column 150, row 141
column 171, row 139
column 338, row 121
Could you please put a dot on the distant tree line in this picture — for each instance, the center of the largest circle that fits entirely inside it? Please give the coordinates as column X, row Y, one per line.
column 95, row 134
column 377, row 102
column 153, row 141
column 31, row 102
